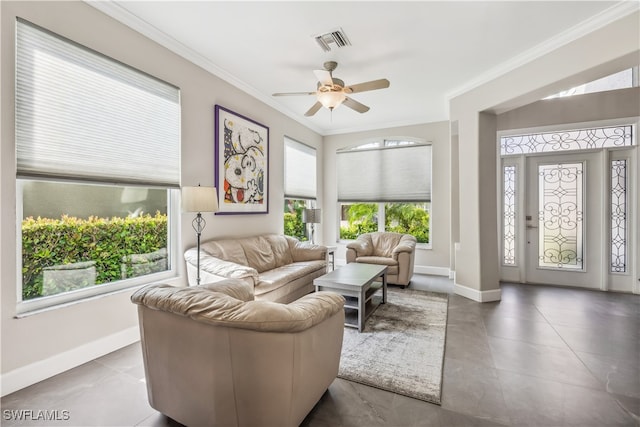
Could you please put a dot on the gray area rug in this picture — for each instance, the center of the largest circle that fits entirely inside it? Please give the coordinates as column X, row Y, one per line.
column 401, row 348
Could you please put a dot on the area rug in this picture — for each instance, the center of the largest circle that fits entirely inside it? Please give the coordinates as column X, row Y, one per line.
column 401, row 348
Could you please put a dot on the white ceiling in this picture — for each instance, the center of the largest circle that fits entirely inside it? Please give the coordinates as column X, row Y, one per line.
column 428, row 50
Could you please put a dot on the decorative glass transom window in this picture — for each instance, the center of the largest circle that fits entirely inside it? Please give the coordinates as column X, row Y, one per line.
column 566, row 140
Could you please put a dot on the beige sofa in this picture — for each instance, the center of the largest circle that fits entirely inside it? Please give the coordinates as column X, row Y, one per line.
column 280, row 268
column 215, row 357
column 395, row 250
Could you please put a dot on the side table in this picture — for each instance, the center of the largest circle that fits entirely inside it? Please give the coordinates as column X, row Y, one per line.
column 331, row 258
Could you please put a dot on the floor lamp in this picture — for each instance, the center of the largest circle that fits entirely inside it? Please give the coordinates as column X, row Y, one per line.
column 199, row 199
column 311, row 216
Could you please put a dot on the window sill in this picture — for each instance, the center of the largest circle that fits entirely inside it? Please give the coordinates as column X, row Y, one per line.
column 25, row 311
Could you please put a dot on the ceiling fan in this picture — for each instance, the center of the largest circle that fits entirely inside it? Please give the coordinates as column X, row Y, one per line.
column 332, row 91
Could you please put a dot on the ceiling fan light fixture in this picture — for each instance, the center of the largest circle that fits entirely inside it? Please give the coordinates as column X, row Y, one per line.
column 331, row 99
column 331, row 92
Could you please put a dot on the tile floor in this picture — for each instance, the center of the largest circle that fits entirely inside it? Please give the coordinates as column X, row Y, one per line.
column 543, row 356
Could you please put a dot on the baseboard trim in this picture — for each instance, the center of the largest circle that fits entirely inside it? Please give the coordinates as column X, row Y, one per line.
column 476, row 295
column 35, row 372
column 436, row 271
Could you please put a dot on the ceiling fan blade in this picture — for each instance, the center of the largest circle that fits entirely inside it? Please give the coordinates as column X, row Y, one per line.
column 324, row 77
column 293, row 93
column 372, row 85
column 314, row 109
column 355, row 105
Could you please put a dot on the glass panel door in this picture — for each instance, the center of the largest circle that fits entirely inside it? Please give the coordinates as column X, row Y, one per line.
column 560, row 211
column 564, row 219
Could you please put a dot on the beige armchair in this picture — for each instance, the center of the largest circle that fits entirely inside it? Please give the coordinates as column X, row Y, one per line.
column 213, row 356
column 395, row 250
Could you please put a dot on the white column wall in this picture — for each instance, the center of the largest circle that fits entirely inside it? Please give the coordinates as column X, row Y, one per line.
column 604, row 51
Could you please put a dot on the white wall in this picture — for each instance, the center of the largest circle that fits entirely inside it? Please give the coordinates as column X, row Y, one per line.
column 606, row 50
column 434, row 260
column 40, row 345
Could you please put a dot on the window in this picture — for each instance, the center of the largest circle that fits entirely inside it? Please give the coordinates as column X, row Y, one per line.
column 299, row 187
column 509, row 214
column 618, row 220
column 385, row 186
column 407, row 218
column 98, row 157
column 620, row 80
column 566, row 140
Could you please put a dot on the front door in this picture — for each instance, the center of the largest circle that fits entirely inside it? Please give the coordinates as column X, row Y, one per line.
column 570, row 218
column 566, row 239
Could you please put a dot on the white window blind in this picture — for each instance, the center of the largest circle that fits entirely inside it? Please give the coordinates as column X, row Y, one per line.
column 81, row 115
column 299, row 170
column 390, row 174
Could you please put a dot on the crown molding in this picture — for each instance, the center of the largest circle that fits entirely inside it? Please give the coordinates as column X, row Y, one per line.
column 606, row 17
column 122, row 15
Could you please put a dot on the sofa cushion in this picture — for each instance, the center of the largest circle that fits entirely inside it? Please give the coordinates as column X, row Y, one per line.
column 222, row 268
column 305, row 251
column 287, row 273
column 384, row 243
column 222, row 308
column 377, row 260
column 277, row 284
column 391, row 263
column 259, row 253
column 233, row 287
column 280, row 249
column 227, row 249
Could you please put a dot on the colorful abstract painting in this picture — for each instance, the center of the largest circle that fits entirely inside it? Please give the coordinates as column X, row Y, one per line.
column 242, row 163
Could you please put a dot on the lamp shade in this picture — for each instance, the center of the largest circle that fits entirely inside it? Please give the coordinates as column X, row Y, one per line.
column 311, row 216
column 199, row 199
column 331, row 99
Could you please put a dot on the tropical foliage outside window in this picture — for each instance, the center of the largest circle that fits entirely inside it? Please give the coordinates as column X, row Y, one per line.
column 76, row 236
column 293, row 225
column 409, row 218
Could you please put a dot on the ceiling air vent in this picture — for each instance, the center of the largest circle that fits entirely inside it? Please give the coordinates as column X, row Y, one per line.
column 337, row 37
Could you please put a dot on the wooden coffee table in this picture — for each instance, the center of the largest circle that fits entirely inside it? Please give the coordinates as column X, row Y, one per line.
column 355, row 281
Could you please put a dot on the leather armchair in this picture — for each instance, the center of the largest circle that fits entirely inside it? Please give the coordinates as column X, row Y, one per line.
column 215, row 356
column 395, row 250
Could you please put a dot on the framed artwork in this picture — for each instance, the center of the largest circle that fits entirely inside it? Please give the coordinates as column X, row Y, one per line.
column 242, row 163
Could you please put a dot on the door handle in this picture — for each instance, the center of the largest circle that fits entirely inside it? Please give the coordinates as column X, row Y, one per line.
column 531, row 226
